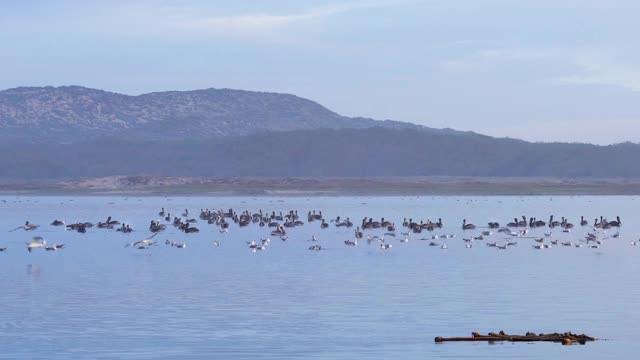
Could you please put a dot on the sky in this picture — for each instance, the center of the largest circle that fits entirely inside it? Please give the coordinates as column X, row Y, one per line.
column 540, row 70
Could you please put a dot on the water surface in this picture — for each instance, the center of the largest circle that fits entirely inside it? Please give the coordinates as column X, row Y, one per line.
column 98, row 299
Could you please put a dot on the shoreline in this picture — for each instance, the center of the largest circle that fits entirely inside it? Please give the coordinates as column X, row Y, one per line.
column 293, row 187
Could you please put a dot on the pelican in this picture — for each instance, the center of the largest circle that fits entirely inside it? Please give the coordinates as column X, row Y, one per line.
column 144, row 243
column 466, row 226
column 27, row 226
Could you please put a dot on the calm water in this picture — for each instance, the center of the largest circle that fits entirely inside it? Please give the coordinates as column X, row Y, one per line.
column 98, row 299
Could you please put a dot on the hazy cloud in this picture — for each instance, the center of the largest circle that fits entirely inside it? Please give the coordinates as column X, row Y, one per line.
column 601, row 69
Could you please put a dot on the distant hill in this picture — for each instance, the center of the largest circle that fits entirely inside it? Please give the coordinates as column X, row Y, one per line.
column 72, row 113
column 373, row 152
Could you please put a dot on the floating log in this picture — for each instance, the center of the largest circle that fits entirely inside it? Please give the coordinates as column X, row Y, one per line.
column 566, row 338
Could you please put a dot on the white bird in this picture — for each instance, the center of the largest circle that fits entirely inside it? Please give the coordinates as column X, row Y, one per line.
column 443, row 247
column 468, row 246
column 385, row 246
column 36, row 242
column 216, row 243
column 406, row 239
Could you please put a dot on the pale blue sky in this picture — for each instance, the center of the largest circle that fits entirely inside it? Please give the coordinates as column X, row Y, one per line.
column 539, row 70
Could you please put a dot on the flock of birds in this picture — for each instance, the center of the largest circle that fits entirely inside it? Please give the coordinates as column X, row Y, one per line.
column 279, row 225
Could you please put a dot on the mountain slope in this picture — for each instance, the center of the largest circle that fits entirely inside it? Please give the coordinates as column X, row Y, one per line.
column 73, row 113
column 374, row 152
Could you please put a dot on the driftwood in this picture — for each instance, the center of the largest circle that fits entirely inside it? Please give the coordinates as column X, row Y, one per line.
column 566, row 338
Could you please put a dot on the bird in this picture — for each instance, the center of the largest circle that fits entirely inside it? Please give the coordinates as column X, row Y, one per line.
column 27, row 227
column 36, row 242
column 351, row 242
column 466, row 226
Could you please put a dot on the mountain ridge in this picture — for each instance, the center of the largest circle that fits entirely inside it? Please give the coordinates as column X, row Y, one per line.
column 71, row 113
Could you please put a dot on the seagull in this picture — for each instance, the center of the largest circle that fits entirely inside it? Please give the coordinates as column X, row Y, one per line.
column 36, row 242
column 385, row 246
column 443, row 247
column 216, row 243
column 351, row 243
column 406, row 239
column 468, row 246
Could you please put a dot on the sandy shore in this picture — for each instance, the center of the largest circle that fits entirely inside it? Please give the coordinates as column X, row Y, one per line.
column 149, row 185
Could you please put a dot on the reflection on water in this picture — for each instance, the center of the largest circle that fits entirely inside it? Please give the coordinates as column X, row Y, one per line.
column 33, row 271
column 97, row 299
